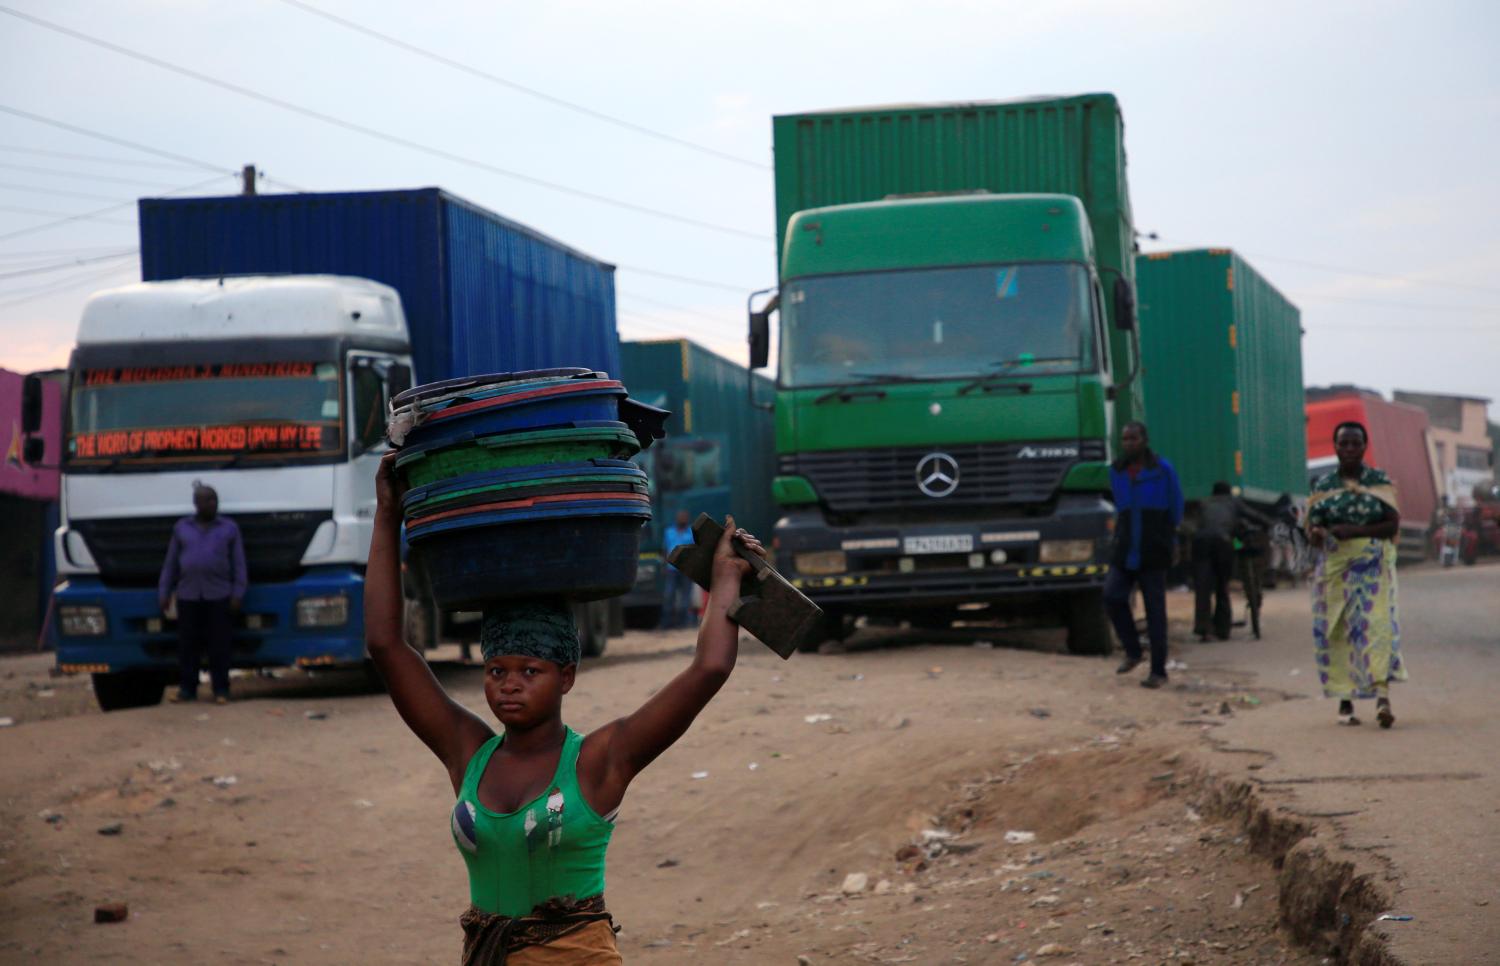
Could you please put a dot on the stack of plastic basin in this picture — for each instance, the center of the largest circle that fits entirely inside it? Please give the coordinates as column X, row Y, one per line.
column 521, row 485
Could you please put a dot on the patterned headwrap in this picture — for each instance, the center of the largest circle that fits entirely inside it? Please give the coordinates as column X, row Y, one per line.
column 539, row 629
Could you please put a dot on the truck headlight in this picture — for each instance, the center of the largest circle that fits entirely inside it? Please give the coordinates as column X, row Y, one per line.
column 821, row 563
column 82, row 620
column 331, row 611
column 1066, row 551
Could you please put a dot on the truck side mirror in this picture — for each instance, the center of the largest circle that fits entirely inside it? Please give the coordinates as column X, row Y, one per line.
column 31, row 404
column 760, row 329
column 34, row 453
column 760, row 340
column 1124, row 305
column 397, row 380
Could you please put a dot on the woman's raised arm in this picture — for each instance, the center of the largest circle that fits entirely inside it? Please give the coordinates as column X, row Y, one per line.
column 449, row 729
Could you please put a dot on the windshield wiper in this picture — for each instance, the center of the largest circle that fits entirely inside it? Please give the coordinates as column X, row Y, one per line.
column 846, row 393
column 992, row 381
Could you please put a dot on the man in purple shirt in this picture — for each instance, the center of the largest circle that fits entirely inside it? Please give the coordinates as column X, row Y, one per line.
column 205, row 570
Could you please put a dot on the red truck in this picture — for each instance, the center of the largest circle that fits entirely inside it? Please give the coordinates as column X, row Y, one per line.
column 1400, row 444
column 1481, row 525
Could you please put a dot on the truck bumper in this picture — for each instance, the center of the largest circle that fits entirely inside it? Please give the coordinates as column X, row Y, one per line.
column 136, row 636
column 895, row 565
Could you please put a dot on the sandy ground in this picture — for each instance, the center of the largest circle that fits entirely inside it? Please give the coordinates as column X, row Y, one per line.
column 304, row 824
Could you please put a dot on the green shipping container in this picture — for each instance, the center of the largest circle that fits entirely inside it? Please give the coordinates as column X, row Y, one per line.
column 1221, row 356
column 1062, row 145
column 720, row 452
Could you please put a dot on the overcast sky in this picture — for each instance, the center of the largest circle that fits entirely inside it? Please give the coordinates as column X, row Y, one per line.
column 1349, row 150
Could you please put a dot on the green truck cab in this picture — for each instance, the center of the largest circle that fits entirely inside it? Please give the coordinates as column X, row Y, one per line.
column 956, row 357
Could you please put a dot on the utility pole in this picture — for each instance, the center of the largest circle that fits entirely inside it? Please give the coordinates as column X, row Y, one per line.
column 247, row 177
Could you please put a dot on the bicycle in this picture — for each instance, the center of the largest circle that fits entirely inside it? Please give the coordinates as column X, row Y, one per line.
column 1250, row 552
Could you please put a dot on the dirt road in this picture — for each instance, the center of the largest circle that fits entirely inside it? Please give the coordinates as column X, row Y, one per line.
column 303, row 824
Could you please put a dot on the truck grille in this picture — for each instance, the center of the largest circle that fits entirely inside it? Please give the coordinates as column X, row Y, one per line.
column 989, row 474
column 131, row 551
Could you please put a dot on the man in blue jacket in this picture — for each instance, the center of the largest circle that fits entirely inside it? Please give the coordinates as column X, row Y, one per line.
column 1148, row 508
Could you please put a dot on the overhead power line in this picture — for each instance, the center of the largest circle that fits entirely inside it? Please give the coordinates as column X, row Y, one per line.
column 688, row 279
column 97, row 135
column 669, row 328
column 70, row 156
column 378, row 134
column 1335, row 269
column 56, row 192
column 628, row 313
column 180, row 159
column 1366, row 273
column 62, row 285
column 43, row 254
column 1400, row 327
column 97, row 215
column 61, row 216
column 1386, row 304
column 82, row 175
column 71, row 263
column 523, row 89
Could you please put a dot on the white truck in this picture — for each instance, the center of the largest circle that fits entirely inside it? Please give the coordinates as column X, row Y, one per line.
column 273, row 390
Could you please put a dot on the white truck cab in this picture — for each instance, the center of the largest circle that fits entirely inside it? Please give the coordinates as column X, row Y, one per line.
column 271, row 389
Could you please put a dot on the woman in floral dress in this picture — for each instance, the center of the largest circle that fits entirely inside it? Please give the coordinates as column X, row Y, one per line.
column 1352, row 518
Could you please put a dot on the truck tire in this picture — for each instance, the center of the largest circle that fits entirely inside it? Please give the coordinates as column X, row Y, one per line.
column 1088, row 626
column 593, row 626
column 128, row 689
column 643, row 618
column 420, row 620
column 836, row 627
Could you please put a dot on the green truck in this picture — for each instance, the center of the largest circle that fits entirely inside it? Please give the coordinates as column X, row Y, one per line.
column 1221, row 357
column 718, row 456
column 957, row 354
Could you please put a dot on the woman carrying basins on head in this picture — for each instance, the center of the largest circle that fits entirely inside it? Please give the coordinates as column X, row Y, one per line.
column 1352, row 518
column 536, row 803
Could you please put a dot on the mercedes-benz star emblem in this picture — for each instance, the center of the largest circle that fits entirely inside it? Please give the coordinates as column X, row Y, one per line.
column 937, row 475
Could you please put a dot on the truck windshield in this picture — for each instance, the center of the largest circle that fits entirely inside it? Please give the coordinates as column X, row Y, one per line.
column 937, row 323
column 249, row 414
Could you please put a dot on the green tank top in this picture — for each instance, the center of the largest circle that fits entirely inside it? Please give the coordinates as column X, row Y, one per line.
column 553, row 846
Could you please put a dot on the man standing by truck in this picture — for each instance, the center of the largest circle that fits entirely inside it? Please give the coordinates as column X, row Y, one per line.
column 205, row 573
column 677, row 602
column 1148, row 508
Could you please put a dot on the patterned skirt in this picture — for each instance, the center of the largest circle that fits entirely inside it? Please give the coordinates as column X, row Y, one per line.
column 1356, row 633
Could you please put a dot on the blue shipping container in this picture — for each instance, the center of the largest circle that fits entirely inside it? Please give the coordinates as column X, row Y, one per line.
column 481, row 293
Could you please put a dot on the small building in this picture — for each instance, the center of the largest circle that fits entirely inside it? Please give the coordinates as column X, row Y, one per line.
column 28, row 505
column 1463, row 452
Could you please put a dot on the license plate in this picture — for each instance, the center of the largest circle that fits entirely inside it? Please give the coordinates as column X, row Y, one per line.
column 960, row 543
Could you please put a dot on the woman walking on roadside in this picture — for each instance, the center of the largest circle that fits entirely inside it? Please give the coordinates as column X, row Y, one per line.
column 1352, row 519
column 536, row 803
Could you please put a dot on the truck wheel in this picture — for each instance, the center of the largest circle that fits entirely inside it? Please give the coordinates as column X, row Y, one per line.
column 836, row 627
column 1088, row 626
column 128, row 689
column 937, row 620
column 643, row 618
column 593, row 626
column 421, row 624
